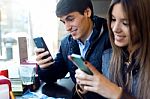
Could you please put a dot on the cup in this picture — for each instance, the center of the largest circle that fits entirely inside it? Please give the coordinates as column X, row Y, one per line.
column 27, row 74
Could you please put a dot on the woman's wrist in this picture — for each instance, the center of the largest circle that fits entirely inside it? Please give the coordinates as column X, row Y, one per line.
column 120, row 94
column 117, row 93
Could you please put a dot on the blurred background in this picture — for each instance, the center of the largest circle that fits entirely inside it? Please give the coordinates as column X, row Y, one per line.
column 21, row 21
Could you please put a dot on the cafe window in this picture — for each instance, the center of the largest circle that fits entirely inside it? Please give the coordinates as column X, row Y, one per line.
column 26, row 18
column 13, row 21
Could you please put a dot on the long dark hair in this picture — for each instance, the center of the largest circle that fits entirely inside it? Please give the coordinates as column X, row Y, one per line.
column 137, row 12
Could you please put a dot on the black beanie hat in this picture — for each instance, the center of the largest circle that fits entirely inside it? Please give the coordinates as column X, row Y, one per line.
column 65, row 7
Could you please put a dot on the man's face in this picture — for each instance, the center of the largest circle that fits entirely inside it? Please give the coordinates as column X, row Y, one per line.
column 78, row 25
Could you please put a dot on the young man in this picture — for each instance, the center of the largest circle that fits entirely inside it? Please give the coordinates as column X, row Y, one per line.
column 88, row 36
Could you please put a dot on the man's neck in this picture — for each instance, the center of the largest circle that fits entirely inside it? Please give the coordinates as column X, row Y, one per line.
column 89, row 32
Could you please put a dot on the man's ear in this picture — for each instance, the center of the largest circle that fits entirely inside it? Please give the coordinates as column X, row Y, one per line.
column 88, row 12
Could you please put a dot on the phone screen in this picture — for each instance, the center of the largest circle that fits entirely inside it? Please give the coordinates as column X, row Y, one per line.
column 79, row 62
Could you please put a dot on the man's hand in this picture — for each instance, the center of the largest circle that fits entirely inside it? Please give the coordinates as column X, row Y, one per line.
column 43, row 63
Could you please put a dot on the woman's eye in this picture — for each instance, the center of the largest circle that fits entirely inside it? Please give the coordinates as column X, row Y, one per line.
column 113, row 19
column 125, row 23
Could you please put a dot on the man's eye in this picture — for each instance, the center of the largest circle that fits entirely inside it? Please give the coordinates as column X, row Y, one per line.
column 70, row 19
column 63, row 22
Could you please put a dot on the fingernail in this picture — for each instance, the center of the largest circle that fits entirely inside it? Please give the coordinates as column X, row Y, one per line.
column 85, row 62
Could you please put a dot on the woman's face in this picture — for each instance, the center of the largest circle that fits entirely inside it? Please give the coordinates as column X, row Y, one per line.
column 120, row 26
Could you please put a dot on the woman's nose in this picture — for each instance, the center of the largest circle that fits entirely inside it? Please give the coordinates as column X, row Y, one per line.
column 116, row 27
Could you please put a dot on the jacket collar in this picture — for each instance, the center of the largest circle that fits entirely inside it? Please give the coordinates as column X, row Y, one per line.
column 100, row 25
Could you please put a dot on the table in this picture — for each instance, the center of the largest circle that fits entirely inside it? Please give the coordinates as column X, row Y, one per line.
column 56, row 90
column 61, row 89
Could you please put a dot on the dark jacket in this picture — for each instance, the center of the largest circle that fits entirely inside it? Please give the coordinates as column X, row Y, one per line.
column 99, row 42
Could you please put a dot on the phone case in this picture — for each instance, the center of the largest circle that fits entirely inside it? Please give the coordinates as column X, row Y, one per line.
column 40, row 43
column 79, row 62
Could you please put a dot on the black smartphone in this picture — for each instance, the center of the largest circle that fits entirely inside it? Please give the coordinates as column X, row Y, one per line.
column 79, row 62
column 40, row 43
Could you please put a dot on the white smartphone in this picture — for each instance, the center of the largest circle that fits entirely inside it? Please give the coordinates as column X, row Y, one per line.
column 79, row 62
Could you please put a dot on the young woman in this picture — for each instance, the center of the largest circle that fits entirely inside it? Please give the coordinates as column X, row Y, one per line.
column 127, row 75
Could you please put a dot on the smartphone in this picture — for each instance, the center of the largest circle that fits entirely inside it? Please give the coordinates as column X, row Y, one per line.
column 79, row 62
column 40, row 43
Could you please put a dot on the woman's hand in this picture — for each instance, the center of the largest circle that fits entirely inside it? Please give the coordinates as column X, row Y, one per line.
column 40, row 53
column 97, row 83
